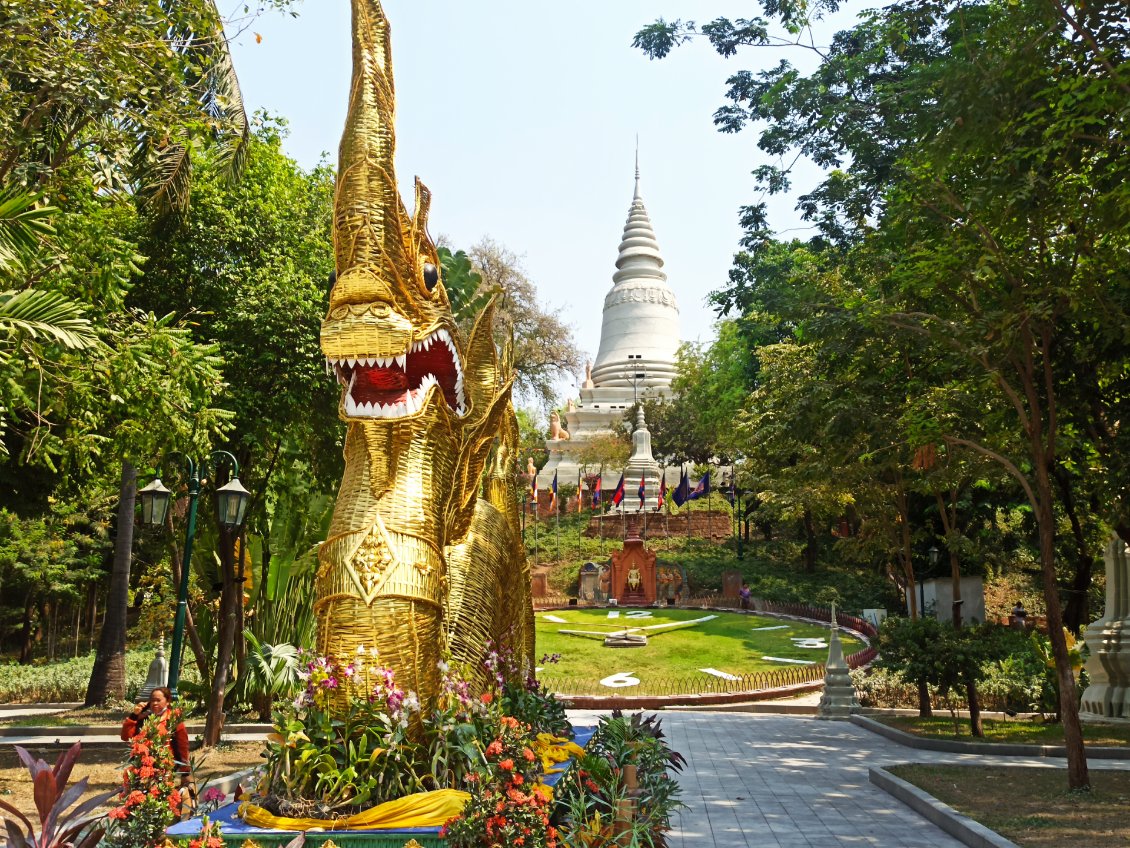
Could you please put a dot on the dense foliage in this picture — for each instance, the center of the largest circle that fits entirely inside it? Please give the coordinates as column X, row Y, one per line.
column 957, row 321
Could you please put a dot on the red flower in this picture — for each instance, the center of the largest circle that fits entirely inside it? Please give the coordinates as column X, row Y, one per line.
column 118, row 813
column 494, row 748
column 506, row 765
column 518, row 779
column 528, row 754
column 486, row 697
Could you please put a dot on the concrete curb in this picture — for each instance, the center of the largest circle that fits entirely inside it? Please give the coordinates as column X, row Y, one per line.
column 114, row 730
column 1003, row 749
column 72, row 705
column 960, row 827
column 758, row 708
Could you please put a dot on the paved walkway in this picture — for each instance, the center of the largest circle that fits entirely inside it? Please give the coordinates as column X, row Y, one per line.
column 772, row 781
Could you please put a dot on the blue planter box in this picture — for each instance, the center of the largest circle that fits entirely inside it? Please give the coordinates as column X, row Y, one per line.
column 236, row 832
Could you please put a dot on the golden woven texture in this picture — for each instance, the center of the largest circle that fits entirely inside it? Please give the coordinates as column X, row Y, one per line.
column 416, row 563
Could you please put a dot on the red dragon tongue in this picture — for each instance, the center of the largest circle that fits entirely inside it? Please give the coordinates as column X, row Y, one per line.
column 381, row 379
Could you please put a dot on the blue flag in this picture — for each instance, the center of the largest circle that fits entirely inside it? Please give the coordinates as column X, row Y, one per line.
column 702, row 489
column 683, row 490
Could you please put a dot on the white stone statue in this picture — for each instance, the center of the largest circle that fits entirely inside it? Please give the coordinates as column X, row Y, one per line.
column 556, row 434
column 1107, row 697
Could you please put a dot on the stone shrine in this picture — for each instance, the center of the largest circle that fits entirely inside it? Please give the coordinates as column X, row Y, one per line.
column 632, row 578
column 639, row 338
column 1107, row 698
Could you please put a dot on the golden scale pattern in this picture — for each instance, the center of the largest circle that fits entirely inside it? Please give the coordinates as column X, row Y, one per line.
column 424, row 554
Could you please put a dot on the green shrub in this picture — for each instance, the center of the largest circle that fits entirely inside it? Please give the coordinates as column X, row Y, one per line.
column 67, row 680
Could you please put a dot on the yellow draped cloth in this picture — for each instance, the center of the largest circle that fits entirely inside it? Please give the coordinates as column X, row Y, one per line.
column 423, row 809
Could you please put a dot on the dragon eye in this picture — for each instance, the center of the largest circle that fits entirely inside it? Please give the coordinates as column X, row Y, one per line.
column 431, row 276
column 333, row 279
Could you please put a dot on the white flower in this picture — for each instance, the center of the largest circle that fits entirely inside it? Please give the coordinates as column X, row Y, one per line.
column 443, row 667
column 360, row 649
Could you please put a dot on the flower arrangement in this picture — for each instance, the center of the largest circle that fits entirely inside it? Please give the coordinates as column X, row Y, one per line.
column 353, row 738
column 626, row 765
column 149, row 800
column 509, row 805
column 343, row 744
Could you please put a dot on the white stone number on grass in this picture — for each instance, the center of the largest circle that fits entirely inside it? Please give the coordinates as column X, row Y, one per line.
column 620, row 679
column 614, row 613
column 811, row 642
column 637, row 614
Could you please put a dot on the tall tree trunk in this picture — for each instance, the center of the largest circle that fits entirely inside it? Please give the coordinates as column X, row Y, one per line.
column 974, row 701
column 925, row 709
column 108, row 677
column 27, row 641
column 230, row 597
column 949, row 525
column 810, row 542
column 1077, row 772
column 1076, row 613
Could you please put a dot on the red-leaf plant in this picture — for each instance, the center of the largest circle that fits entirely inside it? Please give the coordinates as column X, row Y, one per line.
column 59, row 826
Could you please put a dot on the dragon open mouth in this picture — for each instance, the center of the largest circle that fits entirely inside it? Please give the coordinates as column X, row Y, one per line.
column 397, row 386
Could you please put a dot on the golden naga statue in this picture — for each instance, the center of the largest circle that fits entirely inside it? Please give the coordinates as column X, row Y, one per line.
column 424, row 554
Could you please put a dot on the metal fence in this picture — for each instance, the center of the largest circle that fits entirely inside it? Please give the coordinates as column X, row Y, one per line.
column 701, row 683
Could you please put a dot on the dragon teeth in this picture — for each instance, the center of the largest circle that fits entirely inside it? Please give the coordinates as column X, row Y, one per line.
column 402, row 361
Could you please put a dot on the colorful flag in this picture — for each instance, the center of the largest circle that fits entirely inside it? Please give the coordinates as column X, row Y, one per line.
column 643, row 490
column 683, row 490
column 662, row 493
column 553, row 493
column 618, row 495
column 596, row 493
column 702, row 489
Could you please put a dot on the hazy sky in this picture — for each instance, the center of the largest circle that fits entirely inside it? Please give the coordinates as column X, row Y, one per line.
column 521, row 116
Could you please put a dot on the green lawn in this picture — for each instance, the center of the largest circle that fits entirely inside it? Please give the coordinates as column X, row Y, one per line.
column 1019, row 731
column 728, row 643
column 1032, row 806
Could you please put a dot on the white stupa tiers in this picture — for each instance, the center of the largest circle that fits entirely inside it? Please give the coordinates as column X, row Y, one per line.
column 639, row 339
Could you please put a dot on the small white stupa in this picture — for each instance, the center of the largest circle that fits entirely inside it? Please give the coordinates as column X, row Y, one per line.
column 639, row 339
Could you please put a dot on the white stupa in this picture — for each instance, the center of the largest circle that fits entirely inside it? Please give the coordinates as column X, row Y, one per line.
column 639, row 338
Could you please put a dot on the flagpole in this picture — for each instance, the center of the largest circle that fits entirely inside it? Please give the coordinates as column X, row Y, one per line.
column 557, row 530
column 535, row 506
column 643, row 509
column 709, row 514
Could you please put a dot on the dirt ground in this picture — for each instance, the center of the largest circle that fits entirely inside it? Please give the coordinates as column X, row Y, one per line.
column 103, row 766
column 1033, row 806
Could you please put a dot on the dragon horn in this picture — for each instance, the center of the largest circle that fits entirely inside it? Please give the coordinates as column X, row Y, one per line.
column 368, row 213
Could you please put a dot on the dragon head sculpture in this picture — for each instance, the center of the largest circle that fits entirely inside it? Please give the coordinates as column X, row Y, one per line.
column 423, row 406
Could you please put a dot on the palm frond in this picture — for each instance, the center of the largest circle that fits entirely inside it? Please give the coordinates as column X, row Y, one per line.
column 48, row 315
column 23, row 227
column 165, row 179
column 224, row 102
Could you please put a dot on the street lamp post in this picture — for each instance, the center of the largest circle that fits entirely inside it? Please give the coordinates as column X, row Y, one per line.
column 231, row 505
column 634, row 373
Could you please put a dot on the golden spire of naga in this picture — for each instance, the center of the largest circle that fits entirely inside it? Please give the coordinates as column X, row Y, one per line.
column 380, row 252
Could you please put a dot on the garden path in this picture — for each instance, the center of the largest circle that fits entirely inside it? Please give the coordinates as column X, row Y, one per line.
column 773, row 781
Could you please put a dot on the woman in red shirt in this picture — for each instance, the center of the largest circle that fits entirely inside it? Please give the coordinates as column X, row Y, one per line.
column 159, row 702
